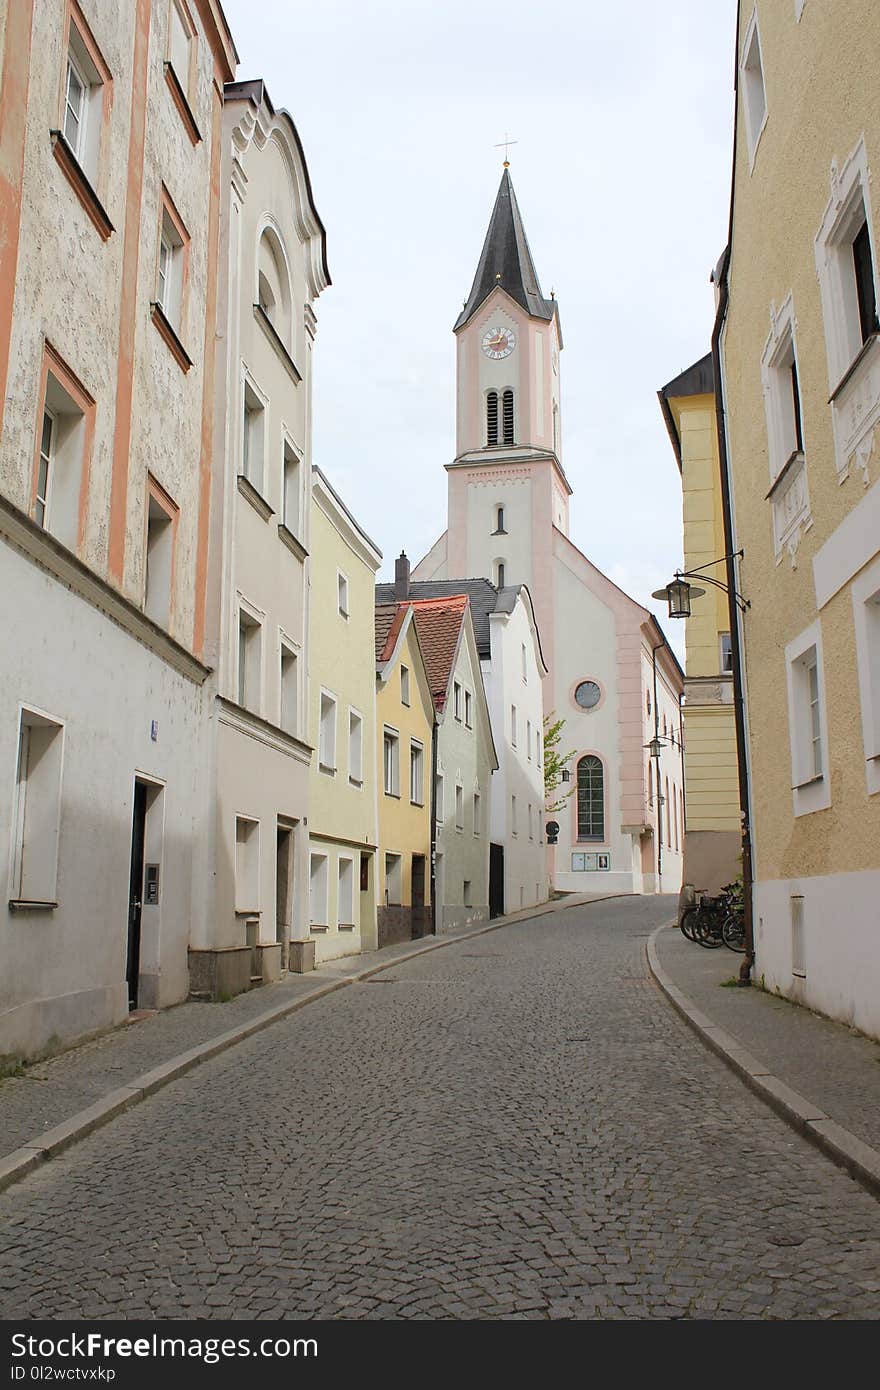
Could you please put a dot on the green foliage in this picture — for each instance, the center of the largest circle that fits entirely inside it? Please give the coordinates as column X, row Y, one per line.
column 555, row 764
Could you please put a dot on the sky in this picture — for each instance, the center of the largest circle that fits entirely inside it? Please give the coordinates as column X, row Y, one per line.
column 623, row 120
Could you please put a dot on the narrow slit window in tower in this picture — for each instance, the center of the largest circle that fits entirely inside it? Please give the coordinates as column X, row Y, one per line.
column 507, row 415
column 492, row 418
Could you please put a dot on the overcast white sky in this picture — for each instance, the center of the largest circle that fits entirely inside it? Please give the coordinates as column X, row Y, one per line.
column 623, row 115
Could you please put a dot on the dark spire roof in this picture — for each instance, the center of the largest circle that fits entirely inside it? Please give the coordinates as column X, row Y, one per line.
column 507, row 262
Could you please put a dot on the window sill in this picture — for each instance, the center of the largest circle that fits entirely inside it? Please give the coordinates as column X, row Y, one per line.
column 166, row 332
column 78, row 181
column 286, row 536
column 420, row 804
column 271, row 333
column 808, row 782
column 469, row 726
column 31, row 905
column 247, row 912
column 343, row 614
column 499, row 533
column 346, row 926
column 182, row 104
column 853, row 367
column 796, row 456
column 256, row 499
column 355, row 782
column 326, row 768
column 318, row 931
column 396, row 795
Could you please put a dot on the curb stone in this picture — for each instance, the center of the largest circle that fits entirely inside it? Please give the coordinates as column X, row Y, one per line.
column 844, row 1148
column 23, row 1160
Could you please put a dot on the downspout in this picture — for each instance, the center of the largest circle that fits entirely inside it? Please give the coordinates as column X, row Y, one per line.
column 654, row 651
column 734, row 619
column 433, row 876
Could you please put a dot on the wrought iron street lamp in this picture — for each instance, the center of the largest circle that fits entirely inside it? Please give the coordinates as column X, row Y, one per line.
column 677, row 594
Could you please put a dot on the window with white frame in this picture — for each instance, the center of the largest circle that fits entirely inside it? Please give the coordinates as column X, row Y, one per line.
column 355, row 748
column 807, row 722
column 318, row 895
column 529, row 739
column 289, row 686
column 250, row 635
column 253, row 439
column 456, row 700
column 865, row 594
column 179, row 45
column 247, row 864
column 438, row 792
column 416, row 773
column 290, row 487
column 513, row 829
column 477, row 812
column 499, row 574
column 37, row 809
column 752, row 87
column 159, row 559
column 345, row 893
column 327, row 732
column 60, row 459
column 468, row 710
column 788, row 494
column 459, row 807
column 513, row 725
column 273, row 287
column 404, row 685
column 846, row 266
column 725, row 653
column 529, row 820
column 342, row 593
column 524, row 662
column 391, row 762
column 83, row 99
column 169, row 272
column 393, row 880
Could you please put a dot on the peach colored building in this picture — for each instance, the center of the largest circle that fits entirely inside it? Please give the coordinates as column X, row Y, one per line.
column 110, row 120
column 508, row 521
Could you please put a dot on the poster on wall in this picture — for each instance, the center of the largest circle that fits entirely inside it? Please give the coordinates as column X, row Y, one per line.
column 587, row 863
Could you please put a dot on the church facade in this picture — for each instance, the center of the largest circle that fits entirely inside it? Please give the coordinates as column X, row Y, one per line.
column 612, row 677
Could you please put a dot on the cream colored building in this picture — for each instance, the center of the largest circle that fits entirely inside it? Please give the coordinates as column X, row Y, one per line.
column 712, row 829
column 343, row 826
column 109, row 213
column 800, row 356
column 251, row 921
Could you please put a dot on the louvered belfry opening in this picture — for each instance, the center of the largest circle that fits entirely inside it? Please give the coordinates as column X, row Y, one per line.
column 507, row 416
column 492, row 418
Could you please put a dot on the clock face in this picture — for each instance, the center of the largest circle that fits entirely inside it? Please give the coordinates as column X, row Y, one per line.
column 498, row 342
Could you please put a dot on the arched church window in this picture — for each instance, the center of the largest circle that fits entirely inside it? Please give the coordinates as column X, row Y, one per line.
column 507, row 416
column 500, row 529
column 492, row 417
column 499, row 574
column 590, row 798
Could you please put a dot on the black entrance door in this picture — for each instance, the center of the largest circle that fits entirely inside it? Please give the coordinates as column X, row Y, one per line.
column 496, row 880
column 136, row 892
column 418, row 895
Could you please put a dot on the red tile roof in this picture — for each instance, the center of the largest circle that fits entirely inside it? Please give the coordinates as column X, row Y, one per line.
column 438, row 624
column 389, row 617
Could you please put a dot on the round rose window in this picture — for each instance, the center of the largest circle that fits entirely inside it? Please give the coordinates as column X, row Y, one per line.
column 587, row 694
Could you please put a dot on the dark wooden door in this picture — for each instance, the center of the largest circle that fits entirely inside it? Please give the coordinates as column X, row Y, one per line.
column 136, row 892
column 496, row 880
column 418, row 895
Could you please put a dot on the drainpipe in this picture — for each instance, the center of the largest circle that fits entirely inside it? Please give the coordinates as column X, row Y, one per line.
column 433, row 877
column 654, row 651
column 734, row 619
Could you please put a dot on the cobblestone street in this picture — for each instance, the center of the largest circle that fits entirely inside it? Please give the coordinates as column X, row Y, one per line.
column 514, row 1126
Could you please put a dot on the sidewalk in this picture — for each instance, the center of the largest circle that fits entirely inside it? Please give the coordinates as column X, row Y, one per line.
column 823, row 1077
column 53, row 1103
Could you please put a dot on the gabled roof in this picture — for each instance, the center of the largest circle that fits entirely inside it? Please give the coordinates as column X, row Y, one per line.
column 438, row 624
column 506, row 262
column 388, row 623
column 696, row 380
column 483, row 598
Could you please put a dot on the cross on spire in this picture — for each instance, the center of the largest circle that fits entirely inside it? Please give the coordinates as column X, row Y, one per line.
column 506, row 142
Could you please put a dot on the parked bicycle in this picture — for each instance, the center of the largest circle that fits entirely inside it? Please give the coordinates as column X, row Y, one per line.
column 716, row 921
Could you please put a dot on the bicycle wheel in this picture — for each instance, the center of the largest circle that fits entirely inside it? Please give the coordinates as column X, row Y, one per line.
column 733, row 933
column 688, row 923
column 708, row 932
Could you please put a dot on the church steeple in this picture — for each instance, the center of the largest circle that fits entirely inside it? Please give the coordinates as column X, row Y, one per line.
column 506, row 262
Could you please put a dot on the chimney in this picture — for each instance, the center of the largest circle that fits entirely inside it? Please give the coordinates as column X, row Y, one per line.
column 401, row 576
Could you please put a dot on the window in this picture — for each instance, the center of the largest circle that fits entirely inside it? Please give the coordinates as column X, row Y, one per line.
column 345, row 893
column 587, row 694
column 355, row 748
column 289, row 683
column 492, row 417
column 159, row 560
column 590, row 799
column 391, row 762
column 725, row 647
column 752, row 82
column 171, row 264
column 327, row 732
column 249, row 661
column 290, row 500
column 253, row 443
column 438, row 792
column 393, row 880
column 179, row 42
column 37, row 810
column 342, row 593
column 404, row 685
column 416, row 773
column 318, row 906
column 650, row 784
column 507, row 416
column 499, row 522
column 807, row 728
column 477, row 812
column 466, row 892
column 513, row 725
column 468, row 710
column 538, row 747
column 524, row 665
column 529, row 820
column 247, row 864
column 798, row 955
column 513, row 829
column 84, row 88
column 529, row 739
column 668, row 816
column 863, row 269
column 60, row 452
column 555, row 428
column 788, row 493
column 273, row 288
column 499, row 574
column 866, row 612
column 459, row 807
column 456, row 699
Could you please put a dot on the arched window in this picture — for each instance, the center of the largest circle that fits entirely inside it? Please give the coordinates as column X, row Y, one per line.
column 499, row 522
column 650, row 784
column 273, row 286
column 668, row 817
column 590, row 798
column 555, row 428
column 675, row 815
column 499, row 574
column 507, row 415
column 492, row 417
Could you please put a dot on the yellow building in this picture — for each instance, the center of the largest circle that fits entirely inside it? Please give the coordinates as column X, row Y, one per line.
column 713, row 839
column 343, row 787
column 799, row 354
column 405, row 738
